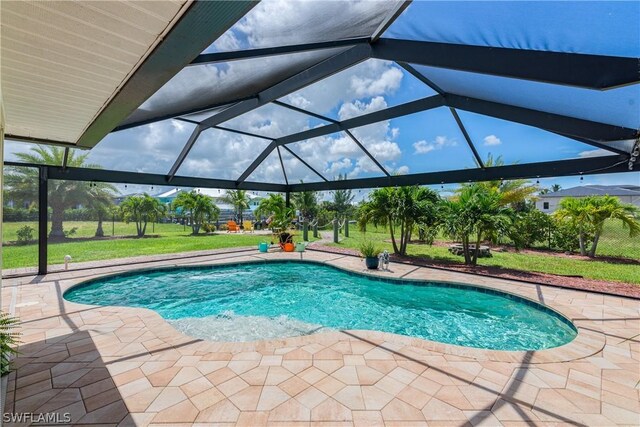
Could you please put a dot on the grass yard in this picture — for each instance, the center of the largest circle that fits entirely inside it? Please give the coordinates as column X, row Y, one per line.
column 172, row 239
column 542, row 263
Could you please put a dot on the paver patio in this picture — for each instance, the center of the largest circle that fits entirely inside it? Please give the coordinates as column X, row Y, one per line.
column 127, row 366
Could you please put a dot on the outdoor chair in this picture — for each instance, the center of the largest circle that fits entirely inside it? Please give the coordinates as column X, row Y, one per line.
column 248, row 226
column 232, row 227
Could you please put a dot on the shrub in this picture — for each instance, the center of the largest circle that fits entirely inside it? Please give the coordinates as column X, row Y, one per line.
column 223, row 227
column 564, row 236
column 208, row 228
column 529, row 228
column 9, row 339
column 368, row 249
column 72, row 232
column 25, row 235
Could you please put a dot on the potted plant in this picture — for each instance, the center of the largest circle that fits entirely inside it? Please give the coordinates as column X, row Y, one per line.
column 370, row 253
column 8, row 343
column 281, row 222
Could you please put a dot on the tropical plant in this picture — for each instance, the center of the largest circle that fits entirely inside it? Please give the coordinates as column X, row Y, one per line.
column 610, row 207
column 141, row 210
column 200, row 207
column 512, row 192
column 475, row 212
column 9, row 340
column 342, row 203
column 270, row 205
column 555, row 188
column 368, row 249
column 101, row 203
column 307, row 204
column 20, row 183
column 401, row 209
column 529, row 227
column 575, row 211
column 239, row 200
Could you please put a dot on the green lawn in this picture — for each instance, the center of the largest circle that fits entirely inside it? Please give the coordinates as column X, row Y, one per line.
column 172, row 239
column 542, row 263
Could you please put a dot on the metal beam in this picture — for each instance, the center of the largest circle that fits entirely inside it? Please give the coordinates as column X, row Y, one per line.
column 572, row 69
column 305, row 163
column 362, row 147
column 284, row 172
column 569, row 126
column 212, row 58
column 199, row 26
column 418, row 75
column 366, row 119
column 571, row 167
column 240, row 132
column 467, row 137
column 390, row 19
column 308, row 113
column 311, row 75
column 43, row 221
column 265, row 153
column 65, row 159
column 596, row 144
column 122, row 177
column 185, row 152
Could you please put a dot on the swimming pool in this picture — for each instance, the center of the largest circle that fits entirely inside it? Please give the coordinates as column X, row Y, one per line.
column 268, row 300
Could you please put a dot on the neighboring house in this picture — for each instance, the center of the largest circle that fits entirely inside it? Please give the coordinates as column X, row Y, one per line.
column 226, row 211
column 548, row 203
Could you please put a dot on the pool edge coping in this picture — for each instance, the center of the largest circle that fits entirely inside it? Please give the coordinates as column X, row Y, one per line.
column 586, row 343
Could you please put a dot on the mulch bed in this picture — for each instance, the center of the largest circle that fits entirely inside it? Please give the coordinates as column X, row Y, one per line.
column 601, row 286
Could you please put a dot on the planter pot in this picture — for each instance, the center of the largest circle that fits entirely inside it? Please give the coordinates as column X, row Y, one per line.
column 4, row 380
column 372, row 262
column 288, row 247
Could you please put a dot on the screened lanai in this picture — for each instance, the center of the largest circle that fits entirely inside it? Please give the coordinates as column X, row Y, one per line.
column 297, row 94
column 315, row 95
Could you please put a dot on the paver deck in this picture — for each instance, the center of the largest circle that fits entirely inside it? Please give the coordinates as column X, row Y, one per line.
column 127, row 366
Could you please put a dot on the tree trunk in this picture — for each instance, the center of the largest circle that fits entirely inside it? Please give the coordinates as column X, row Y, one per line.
column 594, row 245
column 402, row 226
column 474, row 261
column 144, row 229
column 465, row 249
column 393, row 238
column 57, row 216
column 583, row 250
column 99, row 230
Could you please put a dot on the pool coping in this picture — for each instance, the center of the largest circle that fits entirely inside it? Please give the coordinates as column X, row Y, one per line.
column 585, row 344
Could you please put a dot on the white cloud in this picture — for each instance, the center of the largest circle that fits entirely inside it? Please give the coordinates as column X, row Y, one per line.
column 594, row 153
column 402, row 170
column 492, row 140
column 365, row 86
column 424, row 147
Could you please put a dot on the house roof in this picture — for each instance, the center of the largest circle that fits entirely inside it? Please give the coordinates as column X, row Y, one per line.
column 596, row 190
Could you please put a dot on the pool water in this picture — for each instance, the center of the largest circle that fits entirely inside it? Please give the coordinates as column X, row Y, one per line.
column 282, row 299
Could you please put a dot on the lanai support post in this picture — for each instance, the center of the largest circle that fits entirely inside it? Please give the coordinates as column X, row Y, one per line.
column 43, row 203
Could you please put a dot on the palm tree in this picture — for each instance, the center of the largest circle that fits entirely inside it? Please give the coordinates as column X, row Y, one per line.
column 101, row 203
column 307, row 203
column 141, row 210
column 607, row 207
column 401, row 209
column 512, row 192
column 239, row 200
column 575, row 210
column 21, row 182
column 270, row 205
column 555, row 188
column 201, row 209
column 477, row 211
column 342, row 200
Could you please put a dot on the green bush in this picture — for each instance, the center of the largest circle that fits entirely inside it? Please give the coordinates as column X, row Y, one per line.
column 368, row 249
column 530, row 228
column 25, row 235
column 208, row 228
column 564, row 236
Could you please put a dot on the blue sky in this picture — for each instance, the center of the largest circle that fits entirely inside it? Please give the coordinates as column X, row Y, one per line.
column 422, row 142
